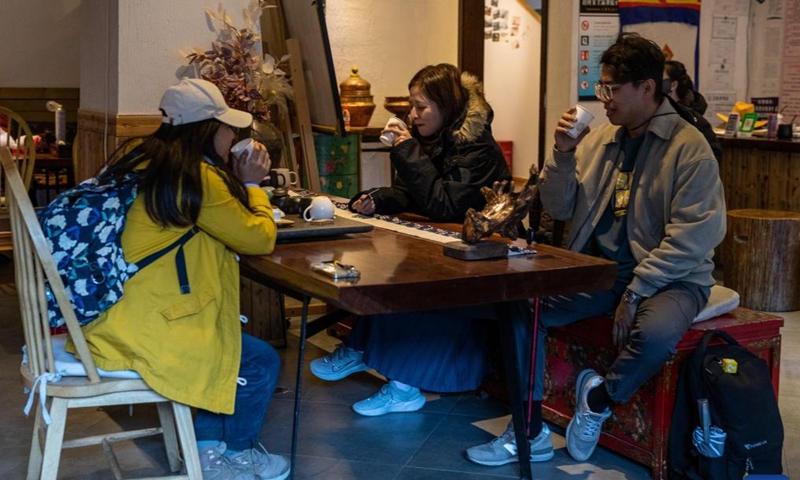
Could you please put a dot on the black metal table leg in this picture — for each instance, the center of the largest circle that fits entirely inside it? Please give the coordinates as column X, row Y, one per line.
column 508, row 345
column 298, row 381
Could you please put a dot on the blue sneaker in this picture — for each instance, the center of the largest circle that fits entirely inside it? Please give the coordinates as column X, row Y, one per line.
column 584, row 429
column 338, row 364
column 390, row 399
column 503, row 449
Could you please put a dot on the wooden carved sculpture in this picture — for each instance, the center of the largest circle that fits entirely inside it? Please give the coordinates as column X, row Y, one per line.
column 502, row 213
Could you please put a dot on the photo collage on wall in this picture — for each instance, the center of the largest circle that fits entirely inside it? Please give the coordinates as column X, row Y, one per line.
column 500, row 25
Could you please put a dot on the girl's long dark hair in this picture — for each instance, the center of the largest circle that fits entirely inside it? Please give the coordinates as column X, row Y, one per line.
column 171, row 183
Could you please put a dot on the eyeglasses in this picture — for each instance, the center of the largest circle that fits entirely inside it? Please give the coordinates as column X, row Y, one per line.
column 605, row 91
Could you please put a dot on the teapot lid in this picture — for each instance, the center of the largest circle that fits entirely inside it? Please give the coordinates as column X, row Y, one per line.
column 355, row 86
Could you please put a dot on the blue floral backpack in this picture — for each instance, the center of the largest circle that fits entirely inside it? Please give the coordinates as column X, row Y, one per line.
column 83, row 227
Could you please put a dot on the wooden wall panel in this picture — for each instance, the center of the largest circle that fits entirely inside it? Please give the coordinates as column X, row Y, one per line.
column 30, row 103
column 89, row 151
column 761, row 174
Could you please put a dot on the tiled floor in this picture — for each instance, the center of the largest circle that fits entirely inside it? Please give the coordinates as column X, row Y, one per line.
column 334, row 442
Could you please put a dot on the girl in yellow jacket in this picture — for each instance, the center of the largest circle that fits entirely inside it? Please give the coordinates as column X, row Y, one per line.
column 190, row 347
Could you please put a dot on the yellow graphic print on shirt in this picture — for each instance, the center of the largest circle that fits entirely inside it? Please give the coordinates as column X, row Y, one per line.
column 622, row 194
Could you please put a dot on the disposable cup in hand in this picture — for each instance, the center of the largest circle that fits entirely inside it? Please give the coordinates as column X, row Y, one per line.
column 387, row 138
column 584, row 119
column 246, row 145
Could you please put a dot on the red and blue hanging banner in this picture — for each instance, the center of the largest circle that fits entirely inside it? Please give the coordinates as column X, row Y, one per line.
column 673, row 24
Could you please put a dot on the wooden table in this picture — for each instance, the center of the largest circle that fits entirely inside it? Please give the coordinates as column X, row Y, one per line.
column 404, row 273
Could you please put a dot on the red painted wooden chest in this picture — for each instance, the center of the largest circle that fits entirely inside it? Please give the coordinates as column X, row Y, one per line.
column 639, row 429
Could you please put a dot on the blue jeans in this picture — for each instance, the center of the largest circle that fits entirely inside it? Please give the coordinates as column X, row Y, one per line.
column 660, row 323
column 241, row 430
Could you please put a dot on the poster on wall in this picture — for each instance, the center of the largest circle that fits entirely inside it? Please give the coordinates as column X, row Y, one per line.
column 598, row 29
column 790, row 85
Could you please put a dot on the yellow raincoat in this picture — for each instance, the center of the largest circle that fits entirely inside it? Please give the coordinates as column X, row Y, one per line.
column 186, row 347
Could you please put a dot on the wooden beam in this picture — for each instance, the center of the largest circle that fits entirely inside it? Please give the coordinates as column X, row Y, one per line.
column 470, row 37
column 303, row 115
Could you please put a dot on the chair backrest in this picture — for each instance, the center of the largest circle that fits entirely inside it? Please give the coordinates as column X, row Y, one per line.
column 17, row 136
column 33, row 264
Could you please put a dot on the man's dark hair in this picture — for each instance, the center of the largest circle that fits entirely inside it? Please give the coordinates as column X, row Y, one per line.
column 633, row 58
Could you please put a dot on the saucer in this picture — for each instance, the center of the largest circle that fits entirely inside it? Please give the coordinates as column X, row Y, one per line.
column 283, row 223
column 321, row 221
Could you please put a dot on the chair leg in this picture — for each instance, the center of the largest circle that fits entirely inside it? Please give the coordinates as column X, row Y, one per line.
column 170, row 435
column 183, row 420
column 54, row 439
column 35, row 457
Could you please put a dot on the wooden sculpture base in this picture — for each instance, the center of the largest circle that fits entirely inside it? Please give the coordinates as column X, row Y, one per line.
column 478, row 251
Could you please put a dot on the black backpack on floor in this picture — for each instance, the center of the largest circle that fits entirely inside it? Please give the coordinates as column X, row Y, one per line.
column 743, row 404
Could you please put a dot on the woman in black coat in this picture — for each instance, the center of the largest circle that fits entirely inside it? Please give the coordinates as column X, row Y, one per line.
column 441, row 165
column 447, row 156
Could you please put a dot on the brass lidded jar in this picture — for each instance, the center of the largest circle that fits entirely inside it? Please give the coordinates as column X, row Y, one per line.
column 356, row 99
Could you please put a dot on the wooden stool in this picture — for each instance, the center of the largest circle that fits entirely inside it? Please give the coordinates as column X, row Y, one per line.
column 639, row 429
column 762, row 258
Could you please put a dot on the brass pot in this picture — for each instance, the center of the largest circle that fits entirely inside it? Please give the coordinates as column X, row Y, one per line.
column 356, row 99
column 399, row 106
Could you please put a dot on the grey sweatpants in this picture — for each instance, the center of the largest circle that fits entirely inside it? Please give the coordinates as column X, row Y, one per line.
column 660, row 323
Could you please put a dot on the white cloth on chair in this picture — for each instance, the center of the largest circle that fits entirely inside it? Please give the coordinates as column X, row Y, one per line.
column 721, row 301
column 66, row 366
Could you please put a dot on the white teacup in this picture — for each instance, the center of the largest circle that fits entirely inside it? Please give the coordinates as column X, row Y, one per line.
column 387, row 138
column 246, row 145
column 278, row 214
column 584, row 119
column 321, row 208
column 283, row 177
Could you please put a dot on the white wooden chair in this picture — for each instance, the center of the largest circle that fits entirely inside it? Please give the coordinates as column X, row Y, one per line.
column 43, row 369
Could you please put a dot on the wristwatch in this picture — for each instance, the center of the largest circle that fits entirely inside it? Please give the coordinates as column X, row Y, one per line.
column 632, row 298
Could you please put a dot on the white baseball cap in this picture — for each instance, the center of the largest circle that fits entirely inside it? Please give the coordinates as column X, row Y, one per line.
column 194, row 100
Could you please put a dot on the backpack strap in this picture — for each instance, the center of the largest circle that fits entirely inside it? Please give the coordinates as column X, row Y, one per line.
column 701, row 349
column 180, row 258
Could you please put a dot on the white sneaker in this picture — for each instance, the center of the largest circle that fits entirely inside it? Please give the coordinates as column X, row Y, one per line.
column 338, row 364
column 503, row 449
column 261, row 464
column 216, row 466
column 390, row 399
column 584, row 429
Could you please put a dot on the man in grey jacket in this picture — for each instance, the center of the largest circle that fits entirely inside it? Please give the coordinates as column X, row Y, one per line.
column 642, row 190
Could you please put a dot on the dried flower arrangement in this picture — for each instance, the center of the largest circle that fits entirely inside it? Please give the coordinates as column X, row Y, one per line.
column 247, row 80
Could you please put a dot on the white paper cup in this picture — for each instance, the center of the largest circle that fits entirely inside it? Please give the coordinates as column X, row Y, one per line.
column 246, row 145
column 584, row 119
column 387, row 138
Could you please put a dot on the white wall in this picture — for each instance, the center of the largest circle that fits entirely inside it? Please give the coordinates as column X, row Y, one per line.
column 390, row 41
column 39, row 43
column 153, row 37
column 562, row 64
column 511, row 81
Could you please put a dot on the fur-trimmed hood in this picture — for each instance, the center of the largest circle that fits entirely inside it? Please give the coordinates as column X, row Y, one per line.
column 478, row 115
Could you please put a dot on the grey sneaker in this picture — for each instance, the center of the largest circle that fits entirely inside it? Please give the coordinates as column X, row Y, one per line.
column 584, row 429
column 216, row 466
column 503, row 449
column 390, row 399
column 338, row 364
column 258, row 463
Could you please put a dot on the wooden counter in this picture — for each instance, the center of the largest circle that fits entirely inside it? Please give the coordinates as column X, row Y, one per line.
column 761, row 173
